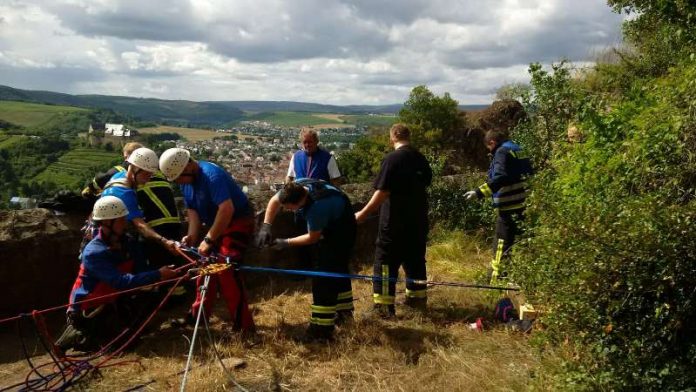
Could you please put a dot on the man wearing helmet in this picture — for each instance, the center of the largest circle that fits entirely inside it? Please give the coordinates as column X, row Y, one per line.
column 214, row 202
column 108, row 265
column 142, row 163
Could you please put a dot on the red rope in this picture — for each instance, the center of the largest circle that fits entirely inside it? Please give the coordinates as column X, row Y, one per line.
column 115, row 294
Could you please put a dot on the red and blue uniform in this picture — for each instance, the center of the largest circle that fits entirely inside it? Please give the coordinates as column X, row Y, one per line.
column 212, row 186
column 104, row 271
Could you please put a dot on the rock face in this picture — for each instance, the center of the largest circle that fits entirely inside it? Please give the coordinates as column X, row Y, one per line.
column 39, row 259
column 39, row 252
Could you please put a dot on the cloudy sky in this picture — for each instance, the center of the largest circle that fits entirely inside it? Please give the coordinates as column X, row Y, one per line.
column 324, row 51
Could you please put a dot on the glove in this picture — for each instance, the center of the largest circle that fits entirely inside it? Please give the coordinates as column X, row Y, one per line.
column 264, row 237
column 281, row 243
column 471, row 195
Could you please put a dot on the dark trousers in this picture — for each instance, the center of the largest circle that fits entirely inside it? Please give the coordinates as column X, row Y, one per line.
column 157, row 256
column 507, row 227
column 388, row 258
column 89, row 330
column 332, row 254
column 331, row 295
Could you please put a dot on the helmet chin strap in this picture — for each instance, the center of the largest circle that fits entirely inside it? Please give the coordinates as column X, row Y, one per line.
column 111, row 238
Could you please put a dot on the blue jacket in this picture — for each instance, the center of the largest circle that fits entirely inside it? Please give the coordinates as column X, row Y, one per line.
column 506, row 178
column 104, row 271
column 315, row 166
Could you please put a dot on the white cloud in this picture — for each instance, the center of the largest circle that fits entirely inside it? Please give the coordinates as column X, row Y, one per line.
column 329, row 51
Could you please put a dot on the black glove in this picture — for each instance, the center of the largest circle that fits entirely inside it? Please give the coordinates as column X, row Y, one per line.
column 281, row 243
column 264, row 237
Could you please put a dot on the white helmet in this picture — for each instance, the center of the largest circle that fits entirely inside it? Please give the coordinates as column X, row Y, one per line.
column 144, row 158
column 108, row 207
column 173, row 161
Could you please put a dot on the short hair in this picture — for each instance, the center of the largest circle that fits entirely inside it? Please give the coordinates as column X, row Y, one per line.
column 130, row 147
column 400, row 132
column 308, row 131
column 291, row 193
column 496, row 135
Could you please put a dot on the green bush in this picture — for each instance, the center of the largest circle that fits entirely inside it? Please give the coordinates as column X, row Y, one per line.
column 612, row 251
column 451, row 211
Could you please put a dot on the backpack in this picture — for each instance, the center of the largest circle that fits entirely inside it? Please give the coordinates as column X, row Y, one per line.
column 505, row 310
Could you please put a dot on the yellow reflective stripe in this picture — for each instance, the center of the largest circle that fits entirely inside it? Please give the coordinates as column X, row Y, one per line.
column 345, row 295
column 486, row 190
column 323, row 309
column 321, row 321
column 157, row 201
column 178, row 290
column 383, row 299
column 345, row 306
column 385, row 280
column 120, row 168
column 417, row 293
column 513, row 187
column 498, row 254
column 154, row 184
column 512, row 207
column 515, row 197
column 161, row 221
column 96, row 186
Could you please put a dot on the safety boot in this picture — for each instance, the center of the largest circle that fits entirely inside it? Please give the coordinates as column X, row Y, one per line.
column 344, row 317
column 418, row 304
column 317, row 334
column 380, row 311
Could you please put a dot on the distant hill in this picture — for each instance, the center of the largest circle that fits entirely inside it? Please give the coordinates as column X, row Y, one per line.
column 181, row 112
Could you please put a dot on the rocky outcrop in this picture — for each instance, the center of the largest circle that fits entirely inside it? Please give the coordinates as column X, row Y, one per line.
column 39, row 258
column 465, row 145
column 40, row 251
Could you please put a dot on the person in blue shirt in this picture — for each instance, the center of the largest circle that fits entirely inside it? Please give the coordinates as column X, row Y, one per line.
column 507, row 186
column 331, row 228
column 216, row 206
column 312, row 161
column 109, row 263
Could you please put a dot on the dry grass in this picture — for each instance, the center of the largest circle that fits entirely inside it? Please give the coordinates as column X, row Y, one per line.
column 432, row 351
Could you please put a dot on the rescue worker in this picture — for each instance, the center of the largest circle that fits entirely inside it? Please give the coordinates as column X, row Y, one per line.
column 220, row 213
column 109, row 263
column 312, row 161
column 142, row 163
column 156, row 200
column 506, row 184
column 401, row 196
column 94, row 189
column 331, row 228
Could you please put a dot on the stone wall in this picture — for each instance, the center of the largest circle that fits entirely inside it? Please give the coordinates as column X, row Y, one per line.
column 39, row 251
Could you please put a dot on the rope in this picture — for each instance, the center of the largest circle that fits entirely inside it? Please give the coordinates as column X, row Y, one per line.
column 326, row 274
column 219, row 358
column 204, row 290
column 114, row 294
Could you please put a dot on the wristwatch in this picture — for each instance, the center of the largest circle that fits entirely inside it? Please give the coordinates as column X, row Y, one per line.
column 208, row 240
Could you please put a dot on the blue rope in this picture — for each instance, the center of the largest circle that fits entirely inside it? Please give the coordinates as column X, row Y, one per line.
column 337, row 275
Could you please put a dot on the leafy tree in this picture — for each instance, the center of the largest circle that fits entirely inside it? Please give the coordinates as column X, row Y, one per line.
column 429, row 117
column 662, row 32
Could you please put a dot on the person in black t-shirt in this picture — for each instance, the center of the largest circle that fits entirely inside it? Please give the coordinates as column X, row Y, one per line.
column 400, row 193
